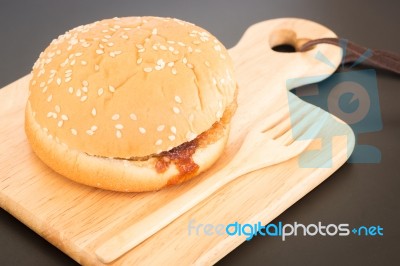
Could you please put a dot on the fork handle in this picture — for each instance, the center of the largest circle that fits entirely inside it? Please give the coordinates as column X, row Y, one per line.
column 160, row 218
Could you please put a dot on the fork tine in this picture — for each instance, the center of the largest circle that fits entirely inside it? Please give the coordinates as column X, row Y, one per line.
column 303, row 127
column 296, row 114
column 310, row 129
column 313, row 130
column 302, row 120
column 270, row 121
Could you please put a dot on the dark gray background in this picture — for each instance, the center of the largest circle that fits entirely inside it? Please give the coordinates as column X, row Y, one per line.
column 358, row 194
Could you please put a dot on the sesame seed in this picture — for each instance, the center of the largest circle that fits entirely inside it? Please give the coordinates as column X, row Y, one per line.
column 163, row 47
column 100, row 91
column 60, row 123
column 173, row 130
column 64, row 117
column 141, row 50
column 222, row 56
column 207, row 63
column 57, row 108
column 176, row 110
column 89, row 132
column 84, row 98
column 93, row 128
column 142, row 130
column 118, row 134
column 157, row 68
column 171, row 64
column 58, row 81
column 217, row 47
column 42, row 84
column 154, row 31
column 68, row 79
column 147, row 69
column 111, row 88
column 72, row 62
column 190, row 49
column 99, row 51
column 49, row 114
column 119, row 126
column 181, row 44
column 190, row 65
column 85, row 83
column 184, row 60
column 110, row 44
column 107, row 36
column 222, row 81
column 112, row 54
column 78, row 54
column 160, row 62
column 104, row 31
column 96, row 67
column 171, row 42
column 125, row 37
column 85, row 89
column 171, row 137
column 160, row 128
column 104, row 40
column 44, row 89
column 214, row 81
column 133, row 116
column 83, row 63
column 190, row 136
column 94, row 111
column 191, row 117
column 196, row 42
column 78, row 93
column 115, row 117
column 74, row 131
column 101, row 46
column 174, row 71
column 139, row 61
column 139, row 46
column 178, row 99
column 171, row 49
column 219, row 114
column 154, row 47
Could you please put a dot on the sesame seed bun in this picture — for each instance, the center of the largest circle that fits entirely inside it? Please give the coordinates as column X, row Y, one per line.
column 109, row 98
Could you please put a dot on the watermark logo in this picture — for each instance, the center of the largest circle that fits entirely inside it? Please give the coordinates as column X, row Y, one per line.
column 350, row 95
column 281, row 230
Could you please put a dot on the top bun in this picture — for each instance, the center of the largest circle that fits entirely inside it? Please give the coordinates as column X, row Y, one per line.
column 131, row 87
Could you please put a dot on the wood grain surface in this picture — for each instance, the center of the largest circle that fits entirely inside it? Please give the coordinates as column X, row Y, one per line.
column 78, row 219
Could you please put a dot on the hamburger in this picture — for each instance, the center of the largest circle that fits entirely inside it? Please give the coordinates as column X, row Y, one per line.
column 131, row 104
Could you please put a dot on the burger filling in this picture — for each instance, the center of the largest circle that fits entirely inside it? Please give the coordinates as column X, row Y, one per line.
column 182, row 155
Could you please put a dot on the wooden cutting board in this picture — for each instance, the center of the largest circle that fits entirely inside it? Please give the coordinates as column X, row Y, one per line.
column 78, row 219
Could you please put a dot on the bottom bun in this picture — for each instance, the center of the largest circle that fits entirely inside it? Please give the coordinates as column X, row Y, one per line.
column 109, row 173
